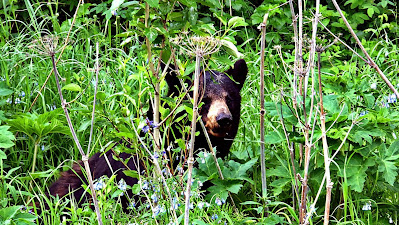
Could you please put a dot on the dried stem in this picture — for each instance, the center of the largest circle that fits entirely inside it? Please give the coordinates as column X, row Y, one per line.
column 85, row 158
column 326, row 153
column 370, row 60
column 190, row 160
column 59, row 56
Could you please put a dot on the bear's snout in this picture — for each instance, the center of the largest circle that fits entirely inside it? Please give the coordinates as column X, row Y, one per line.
column 224, row 120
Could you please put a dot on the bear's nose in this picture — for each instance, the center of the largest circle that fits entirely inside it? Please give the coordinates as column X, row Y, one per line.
column 224, row 119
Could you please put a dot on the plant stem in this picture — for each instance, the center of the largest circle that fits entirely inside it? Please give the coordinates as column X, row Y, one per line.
column 85, row 158
column 326, row 153
column 190, row 160
column 370, row 60
column 262, row 107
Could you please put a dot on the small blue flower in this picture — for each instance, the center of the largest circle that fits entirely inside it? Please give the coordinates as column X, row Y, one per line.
column 191, row 206
column 145, row 129
column 99, row 185
column 200, row 205
column 154, row 198
column 122, row 185
column 363, row 113
column 175, row 203
column 214, row 217
column 218, row 202
column 42, row 148
column 113, row 12
column 392, row 98
column 22, row 94
column 9, row 101
column 17, row 101
column 132, row 204
column 145, row 185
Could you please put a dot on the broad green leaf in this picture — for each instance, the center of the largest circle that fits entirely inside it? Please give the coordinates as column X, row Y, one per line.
column 273, row 138
column 9, row 212
column 231, row 48
column 2, row 155
column 5, row 91
column 356, row 172
column 115, row 4
column 236, row 21
column 151, row 34
column 153, row 3
column 72, row 87
column 6, row 138
column 387, row 162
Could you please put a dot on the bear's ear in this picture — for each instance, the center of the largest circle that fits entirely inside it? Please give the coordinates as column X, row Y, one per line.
column 239, row 72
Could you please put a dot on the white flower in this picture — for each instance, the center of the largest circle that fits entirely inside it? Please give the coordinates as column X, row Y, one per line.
column 367, row 207
column 373, row 86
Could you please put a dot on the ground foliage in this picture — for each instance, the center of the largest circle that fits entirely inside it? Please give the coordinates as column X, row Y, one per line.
column 34, row 142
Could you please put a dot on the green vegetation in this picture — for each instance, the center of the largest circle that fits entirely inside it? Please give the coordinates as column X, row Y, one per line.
column 361, row 112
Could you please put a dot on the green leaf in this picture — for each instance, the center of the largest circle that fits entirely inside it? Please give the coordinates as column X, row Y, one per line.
column 273, row 138
column 5, row 91
column 387, row 162
column 115, row 4
column 356, row 172
column 72, row 87
column 9, row 212
column 231, row 48
column 6, row 138
column 153, row 3
column 2, row 155
column 236, row 21
column 370, row 12
column 151, row 34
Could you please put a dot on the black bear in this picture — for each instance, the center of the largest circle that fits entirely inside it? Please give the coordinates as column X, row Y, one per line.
column 220, row 114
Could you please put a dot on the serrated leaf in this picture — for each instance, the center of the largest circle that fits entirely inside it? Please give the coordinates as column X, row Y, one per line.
column 6, row 138
column 72, row 87
column 356, row 172
column 387, row 162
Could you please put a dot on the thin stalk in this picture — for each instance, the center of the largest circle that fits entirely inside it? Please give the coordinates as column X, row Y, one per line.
column 59, row 56
column 35, row 156
column 329, row 184
column 190, row 160
column 302, row 210
column 370, row 60
column 262, row 107
column 85, row 158
column 94, row 99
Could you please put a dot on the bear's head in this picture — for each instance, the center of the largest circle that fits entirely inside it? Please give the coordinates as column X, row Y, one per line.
column 220, row 94
column 221, row 99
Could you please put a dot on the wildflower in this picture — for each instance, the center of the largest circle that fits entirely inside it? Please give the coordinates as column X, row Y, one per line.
column 122, row 185
column 373, row 86
column 385, row 105
column 191, row 206
column 145, row 129
column 22, row 94
column 363, row 113
column 42, row 148
column 2, row 79
column 113, row 12
column 202, row 160
column 392, row 98
column 9, row 101
column 154, row 198
column 46, row 45
column 132, row 204
column 200, row 183
column 175, row 203
column 200, row 205
column 218, row 201
column 99, row 185
column 53, row 107
column 214, row 217
column 158, row 210
column 367, row 206
column 145, row 185
column 17, row 101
